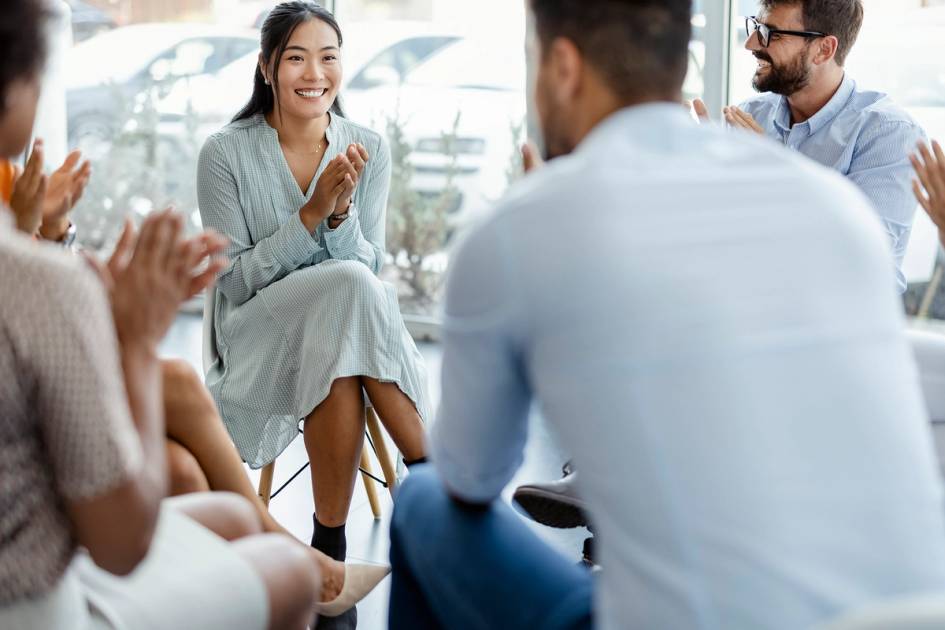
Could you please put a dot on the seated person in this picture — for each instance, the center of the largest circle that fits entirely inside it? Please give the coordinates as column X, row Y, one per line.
column 727, row 365
column 810, row 104
column 303, row 327
column 200, row 455
column 84, row 446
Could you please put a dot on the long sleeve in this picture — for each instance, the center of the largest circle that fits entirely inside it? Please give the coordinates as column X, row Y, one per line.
column 479, row 436
column 253, row 266
column 362, row 236
column 880, row 168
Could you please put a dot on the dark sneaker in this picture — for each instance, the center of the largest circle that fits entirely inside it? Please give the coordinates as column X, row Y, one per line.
column 554, row 503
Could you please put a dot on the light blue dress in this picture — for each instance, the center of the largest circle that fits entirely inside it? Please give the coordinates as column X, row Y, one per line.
column 295, row 310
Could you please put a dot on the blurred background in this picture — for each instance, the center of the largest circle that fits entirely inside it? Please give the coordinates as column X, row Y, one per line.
column 445, row 81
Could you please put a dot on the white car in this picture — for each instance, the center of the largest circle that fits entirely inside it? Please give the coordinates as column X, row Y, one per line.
column 105, row 73
column 476, row 86
column 373, row 53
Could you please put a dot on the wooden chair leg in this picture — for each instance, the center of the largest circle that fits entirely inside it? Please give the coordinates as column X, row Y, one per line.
column 380, row 448
column 265, row 482
column 369, row 483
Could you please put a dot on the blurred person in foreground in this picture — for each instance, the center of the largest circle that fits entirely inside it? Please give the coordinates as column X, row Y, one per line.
column 83, row 438
column 727, row 401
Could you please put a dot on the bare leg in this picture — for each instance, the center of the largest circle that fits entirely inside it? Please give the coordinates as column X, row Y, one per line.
column 228, row 515
column 334, row 434
column 399, row 417
column 232, row 517
column 292, row 582
column 184, row 471
column 193, row 422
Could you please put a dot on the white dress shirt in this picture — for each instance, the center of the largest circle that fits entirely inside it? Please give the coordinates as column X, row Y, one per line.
column 709, row 323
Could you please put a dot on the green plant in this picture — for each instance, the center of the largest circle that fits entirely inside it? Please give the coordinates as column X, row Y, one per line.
column 417, row 222
column 139, row 168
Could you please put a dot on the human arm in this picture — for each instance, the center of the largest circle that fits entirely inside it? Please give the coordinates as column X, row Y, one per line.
column 478, row 439
column 361, row 236
column 929, row 184
column 880, row 167
column 115, row 522
column 253, row 266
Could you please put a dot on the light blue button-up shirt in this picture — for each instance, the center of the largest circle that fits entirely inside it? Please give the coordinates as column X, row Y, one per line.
column 726, row 365
column 862, row 135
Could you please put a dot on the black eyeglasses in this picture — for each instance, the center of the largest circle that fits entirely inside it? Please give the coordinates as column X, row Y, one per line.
column 765, row 32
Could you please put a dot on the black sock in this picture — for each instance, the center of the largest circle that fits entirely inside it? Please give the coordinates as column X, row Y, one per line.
column 419, row 460
column 330, row 541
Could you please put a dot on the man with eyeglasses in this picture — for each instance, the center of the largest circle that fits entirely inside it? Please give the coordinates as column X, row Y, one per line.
column 811, row 105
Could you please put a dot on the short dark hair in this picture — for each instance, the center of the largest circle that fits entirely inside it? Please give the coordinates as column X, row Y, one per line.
column 840, row 18
column 640, row 47
column 22, row 43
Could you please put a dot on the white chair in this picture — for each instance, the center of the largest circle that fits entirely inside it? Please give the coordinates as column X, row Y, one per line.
column 929, row 351
column 921, row 612
column 374, row 432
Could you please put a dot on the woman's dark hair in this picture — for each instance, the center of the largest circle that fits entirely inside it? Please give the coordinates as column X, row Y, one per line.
column 276, row 32
column 22, row 43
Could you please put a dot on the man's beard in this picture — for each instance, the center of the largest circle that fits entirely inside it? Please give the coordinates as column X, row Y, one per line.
column 785, row 79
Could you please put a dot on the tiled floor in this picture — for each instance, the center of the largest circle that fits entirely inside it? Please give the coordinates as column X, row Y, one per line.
column 367, row 538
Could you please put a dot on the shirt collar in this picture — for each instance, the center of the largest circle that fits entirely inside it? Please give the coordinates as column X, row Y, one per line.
column 330, row 132
column 834, row 106
column 648, row 116
column 782, row 117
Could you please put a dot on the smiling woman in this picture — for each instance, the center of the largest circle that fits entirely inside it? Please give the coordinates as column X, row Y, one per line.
column 302, row 324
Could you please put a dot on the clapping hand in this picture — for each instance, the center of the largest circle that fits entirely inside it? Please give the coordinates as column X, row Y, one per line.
column 357, row 157
column 740, row 119
column 339, row 178
column 29, row 193
column 701, row 111
column 531, row 158
column 64, row 189
column 929, row 187
column 150, row 274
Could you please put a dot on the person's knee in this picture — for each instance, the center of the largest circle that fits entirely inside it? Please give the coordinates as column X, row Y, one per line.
column 352, row 272
column 184, row 472
column 184, row 390
column 420, row 492
column 241, row 516
column 176, row 372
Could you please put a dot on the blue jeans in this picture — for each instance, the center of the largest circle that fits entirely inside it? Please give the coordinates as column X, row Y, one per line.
column 462, row 567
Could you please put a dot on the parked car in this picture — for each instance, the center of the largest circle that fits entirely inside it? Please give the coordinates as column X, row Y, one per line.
column 476, row 85
column 88, row 21
column 375, row 53
column 106, row 72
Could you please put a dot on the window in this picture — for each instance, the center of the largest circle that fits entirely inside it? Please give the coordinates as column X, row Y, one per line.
column 445, row 82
